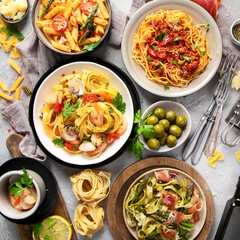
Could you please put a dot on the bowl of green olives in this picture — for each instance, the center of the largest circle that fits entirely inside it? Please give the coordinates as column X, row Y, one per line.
column 172, row 124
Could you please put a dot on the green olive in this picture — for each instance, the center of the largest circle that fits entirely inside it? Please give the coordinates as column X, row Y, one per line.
column 152, row 120
column 159, row 130
column 175, row 130
column 171, row 116
column 165, row 123
column 163, row 139
column 171, row 140
column 153, row 143
column 181, row 121
column 160, row 113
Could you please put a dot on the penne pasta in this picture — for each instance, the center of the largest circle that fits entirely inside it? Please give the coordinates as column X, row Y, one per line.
column 100, row 21
column 16, row 84
column 103, row 9
column 17, row 94
column 61, row 46
column 44, row 23
column 14, row 66
column 51, row 31
column 75, row 34
column 54, row 12
column 5, row 96
column 3, row 87
column 69, row 38
column 90, row 40
column 72, row 7
column 100, row 30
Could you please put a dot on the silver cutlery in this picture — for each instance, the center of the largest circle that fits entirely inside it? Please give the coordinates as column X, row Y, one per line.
column 190, row 146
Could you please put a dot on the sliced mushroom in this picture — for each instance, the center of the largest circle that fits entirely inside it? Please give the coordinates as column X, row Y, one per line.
column 69, row 133
column 87, row 146
column 76, row 87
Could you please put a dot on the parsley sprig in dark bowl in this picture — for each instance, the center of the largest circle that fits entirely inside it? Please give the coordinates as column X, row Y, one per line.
column 56, row 148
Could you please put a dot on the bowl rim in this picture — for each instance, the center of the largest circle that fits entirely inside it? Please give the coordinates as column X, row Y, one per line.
column 18, row 20
column 103, row 38
column 189, row 124
column 148, row 172
column 236, row 22
column 113, row 68
column 125, row 41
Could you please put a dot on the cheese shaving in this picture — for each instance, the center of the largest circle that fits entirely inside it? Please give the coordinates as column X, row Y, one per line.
column 212, row 161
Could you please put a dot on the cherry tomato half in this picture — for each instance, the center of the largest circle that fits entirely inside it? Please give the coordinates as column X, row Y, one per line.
column 112, row 137
column 59, row 23
column 90, row 98
column 71, row 147
column 159, row 53
column 192, row 66
column 86, row 6
column 58, row 107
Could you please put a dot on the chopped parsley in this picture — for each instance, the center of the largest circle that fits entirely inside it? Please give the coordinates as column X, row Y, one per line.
column 159, row 64
column 149, row 58
column 174, row 62
column 166, row 88
column 59, row 142
column 119, row 104
column 161, row 36
column 207, row 27
column 196, row 46
column 154, row 47
column 176, row 21
column 186, row 58
column 68, row 109
column 203, row 52
column 176, row 39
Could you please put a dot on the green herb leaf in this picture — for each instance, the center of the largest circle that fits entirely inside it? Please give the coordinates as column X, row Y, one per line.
column 166, row 88
column 186, row 58
column 137, row 117
column 176, row 39
column 161, row 36
column 118, row 102
column 176, row 21
column 51, row 222
column 149, row 58
column 180, row 63
column 37, row 229
column 26, row 180
column 47, row 237
column 207, row 27
column 12, row 30
column 196, row 46
column 174, row 62
column 148, row 131
column 159, row 64
column 90, row 47
column 203, row 52
column 59, row 142
column 17, row 191
column 196, row 39
column 155, row 47
column 68, row 109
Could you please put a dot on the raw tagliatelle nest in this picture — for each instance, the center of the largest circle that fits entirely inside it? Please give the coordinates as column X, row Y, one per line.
column 90, row 187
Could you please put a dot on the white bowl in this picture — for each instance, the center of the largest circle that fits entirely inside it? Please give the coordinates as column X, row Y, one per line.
column 234, row 40
column 178, row 108
column 5, row 207
column 46, row 86
column 45, row 41
column 199, row 225
column 198, row 15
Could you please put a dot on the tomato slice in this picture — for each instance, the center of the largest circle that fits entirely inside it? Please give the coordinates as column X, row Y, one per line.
column 59, row 23
column 192, row 66
column 90, row 98
column 153, row 53
column 58, row 107
column 112, row 137
column 71, row 147
column 159, row 53
column 86, row 6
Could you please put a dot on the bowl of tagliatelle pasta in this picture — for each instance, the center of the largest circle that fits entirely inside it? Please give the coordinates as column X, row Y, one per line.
column 164, row 203
column 82, row 113
column 171, row 48
column 72, row 27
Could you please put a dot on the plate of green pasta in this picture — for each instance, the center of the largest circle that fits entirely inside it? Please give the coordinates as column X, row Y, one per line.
column 164, row 203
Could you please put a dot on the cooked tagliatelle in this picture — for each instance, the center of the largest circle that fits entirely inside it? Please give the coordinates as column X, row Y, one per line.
column 165, row 206
column 170, row 49
column 91, row 186
column 84, row 113
column 88, row 219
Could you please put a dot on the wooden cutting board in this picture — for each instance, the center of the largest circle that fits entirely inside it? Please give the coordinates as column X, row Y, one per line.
column 122, row 183
column 60, row 208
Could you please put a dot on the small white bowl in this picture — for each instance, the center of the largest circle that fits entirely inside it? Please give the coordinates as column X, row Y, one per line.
column 179, row 109
column 234, row 40
column 5, row 207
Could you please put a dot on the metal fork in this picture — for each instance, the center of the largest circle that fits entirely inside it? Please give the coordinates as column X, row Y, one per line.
column 189, row 147
column 211, row 145
column 205, row 134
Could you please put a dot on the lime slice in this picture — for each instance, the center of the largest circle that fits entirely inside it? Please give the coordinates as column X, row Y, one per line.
column 55, row 228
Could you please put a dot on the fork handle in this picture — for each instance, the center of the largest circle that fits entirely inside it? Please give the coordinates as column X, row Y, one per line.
column 212, row 142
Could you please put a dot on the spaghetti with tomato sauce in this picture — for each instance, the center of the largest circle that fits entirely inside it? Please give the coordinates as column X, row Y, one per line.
column 170, row 49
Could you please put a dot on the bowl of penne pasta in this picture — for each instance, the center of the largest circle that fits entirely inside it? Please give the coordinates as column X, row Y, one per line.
column 71, row 27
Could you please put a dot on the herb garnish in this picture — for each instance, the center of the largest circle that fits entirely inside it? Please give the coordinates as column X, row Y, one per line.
column 90, row 47
column 136, row 146
column 203, row 52
column 118, row 102
column 17, row 187
column 207, row 27
column 166, row 88
column 68, row 108
column 59, row 141
column 149, row 58
column 12, row 30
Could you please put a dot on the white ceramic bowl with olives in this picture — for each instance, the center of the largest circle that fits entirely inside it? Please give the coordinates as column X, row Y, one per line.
column 172, row 124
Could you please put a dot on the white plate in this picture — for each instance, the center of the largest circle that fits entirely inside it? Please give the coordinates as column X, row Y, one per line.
column 198, row 15
column 197, row 227
column 46, row 87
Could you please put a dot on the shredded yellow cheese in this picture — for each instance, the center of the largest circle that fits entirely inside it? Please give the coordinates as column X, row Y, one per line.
column 212, row 161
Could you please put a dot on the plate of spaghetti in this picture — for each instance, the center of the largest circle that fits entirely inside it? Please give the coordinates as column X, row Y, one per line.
column 175, row 47
column 164, row 203
column 82, row 113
